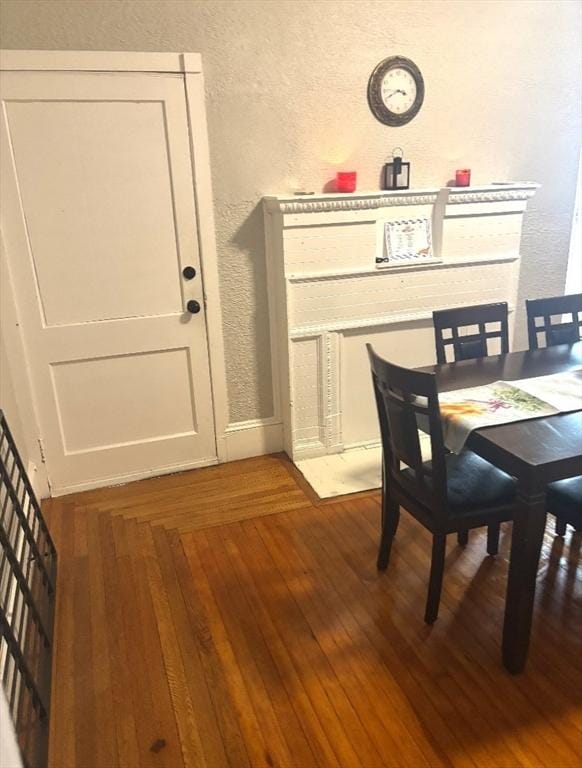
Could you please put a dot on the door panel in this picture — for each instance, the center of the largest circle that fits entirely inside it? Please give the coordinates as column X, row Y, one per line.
column 108, row 236
column 106, row 385
column 99, row 221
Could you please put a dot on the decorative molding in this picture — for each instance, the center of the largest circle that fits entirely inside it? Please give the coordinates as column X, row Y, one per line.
column 310, row 387
column 326, row 205
column 498, row 195
column 255, row 437
column 331, row 203
column 332, row 416
column 329, row 287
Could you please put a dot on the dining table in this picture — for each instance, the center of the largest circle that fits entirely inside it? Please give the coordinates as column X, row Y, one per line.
column 535, row 452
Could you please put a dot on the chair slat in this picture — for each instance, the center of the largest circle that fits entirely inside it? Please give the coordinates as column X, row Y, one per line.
column 471, row 345
column 553, row 333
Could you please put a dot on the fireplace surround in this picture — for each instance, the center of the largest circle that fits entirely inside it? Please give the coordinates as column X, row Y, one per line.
column 331, row 290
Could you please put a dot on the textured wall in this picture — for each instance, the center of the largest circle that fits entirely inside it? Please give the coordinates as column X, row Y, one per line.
column 286, row 95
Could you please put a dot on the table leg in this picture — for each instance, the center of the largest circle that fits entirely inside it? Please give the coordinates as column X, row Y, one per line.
column 526, row 543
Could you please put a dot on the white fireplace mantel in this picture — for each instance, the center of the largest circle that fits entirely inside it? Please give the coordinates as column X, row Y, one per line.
column 329, row 296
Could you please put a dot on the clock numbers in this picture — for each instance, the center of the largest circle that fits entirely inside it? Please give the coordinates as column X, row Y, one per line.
column 398, row 91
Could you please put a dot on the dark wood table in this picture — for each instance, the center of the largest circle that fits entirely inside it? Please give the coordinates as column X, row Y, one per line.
column 535, row 452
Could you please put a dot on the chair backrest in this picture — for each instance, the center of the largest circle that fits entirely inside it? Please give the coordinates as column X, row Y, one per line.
column 405, row 400
column 539, row 320
column 475, row 343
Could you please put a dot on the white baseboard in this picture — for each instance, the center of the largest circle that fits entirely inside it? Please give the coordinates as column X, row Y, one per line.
column 241, row 441
column 256, row 437
column 309, row 450
column 131, row 476
column 315, row 451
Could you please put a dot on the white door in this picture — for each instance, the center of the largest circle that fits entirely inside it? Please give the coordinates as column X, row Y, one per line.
column 99, row 220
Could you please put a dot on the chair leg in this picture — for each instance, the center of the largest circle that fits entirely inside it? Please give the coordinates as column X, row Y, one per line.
column 463, row 538
column 437, row 567
column 560, row 526
column 390, row 519
column 493, row 539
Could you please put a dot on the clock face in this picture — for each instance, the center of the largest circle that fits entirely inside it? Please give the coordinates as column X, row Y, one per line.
column 395, row 91
column 398, row 90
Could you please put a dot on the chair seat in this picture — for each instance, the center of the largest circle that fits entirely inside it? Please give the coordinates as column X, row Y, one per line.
column 473, row 484
column 564, row 499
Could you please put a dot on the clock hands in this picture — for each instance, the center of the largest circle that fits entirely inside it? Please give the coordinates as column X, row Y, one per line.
column 396, row 90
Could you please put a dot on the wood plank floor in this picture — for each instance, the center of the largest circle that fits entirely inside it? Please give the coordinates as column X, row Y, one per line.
column 225, row 617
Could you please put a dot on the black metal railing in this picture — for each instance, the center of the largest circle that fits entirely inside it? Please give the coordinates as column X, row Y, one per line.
column 27, row 601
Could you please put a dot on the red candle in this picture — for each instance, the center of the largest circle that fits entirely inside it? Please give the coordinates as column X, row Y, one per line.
column 345, row 181
column 463, row 177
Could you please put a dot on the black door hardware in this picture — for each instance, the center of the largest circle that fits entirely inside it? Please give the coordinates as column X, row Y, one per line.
column 193, row 307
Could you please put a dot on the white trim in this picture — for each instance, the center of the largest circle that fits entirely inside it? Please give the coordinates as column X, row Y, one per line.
column 17, row 362
column 189, row 65
column 412, row 267
column 100, row 61
column 369, row 445
column 131, row 476
column 363, row 444
column 574, row 270
column 371, row 322
column 359, row 201
column 276, row 334
column 493, row 193
column 196, row 109
column 323, row 256
column 309, row 449
column 255, row 437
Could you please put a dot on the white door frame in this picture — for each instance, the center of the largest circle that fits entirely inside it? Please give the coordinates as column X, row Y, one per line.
column 190, row 66
column 19, row 371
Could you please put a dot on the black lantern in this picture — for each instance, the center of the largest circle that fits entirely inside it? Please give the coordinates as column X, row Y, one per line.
column 397, row 172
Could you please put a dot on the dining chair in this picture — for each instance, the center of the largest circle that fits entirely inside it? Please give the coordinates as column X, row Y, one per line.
column 448, row 494
column 553, row 333
column 564, row 500
column 473, row 344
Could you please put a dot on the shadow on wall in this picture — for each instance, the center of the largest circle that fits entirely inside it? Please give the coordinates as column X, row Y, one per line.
column 249, row 240
column 249, row 237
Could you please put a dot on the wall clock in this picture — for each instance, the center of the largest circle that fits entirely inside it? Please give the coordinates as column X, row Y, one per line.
column 395, row 91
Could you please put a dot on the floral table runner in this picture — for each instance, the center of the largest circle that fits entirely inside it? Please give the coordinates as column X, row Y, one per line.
column 502, row 402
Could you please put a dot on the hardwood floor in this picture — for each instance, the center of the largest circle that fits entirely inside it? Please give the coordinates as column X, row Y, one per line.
column 225, row 617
